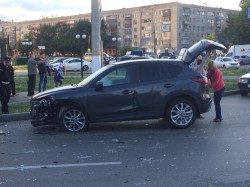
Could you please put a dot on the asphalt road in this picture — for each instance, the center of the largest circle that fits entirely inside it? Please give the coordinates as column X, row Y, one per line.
column 144, row 153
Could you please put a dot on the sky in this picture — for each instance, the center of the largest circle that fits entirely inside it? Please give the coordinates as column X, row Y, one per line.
column 21, row 10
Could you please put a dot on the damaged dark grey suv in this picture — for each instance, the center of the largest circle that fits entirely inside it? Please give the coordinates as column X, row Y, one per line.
column 131, row 90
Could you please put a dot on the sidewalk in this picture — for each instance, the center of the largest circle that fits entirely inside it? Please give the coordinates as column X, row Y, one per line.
column 21, row 97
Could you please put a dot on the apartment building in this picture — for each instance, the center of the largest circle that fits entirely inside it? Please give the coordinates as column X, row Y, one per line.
column 153, row 28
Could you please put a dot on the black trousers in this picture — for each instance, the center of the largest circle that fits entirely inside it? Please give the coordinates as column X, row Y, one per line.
column 31, row 84
column 58, row 83
column 5, row 90
column 13, row 86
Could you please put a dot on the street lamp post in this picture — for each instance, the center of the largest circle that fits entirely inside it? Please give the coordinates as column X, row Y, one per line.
column 81, row 37
column 27, row 44
column 116, row 39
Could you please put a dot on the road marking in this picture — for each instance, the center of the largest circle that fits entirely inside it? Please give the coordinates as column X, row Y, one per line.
column 60, row 166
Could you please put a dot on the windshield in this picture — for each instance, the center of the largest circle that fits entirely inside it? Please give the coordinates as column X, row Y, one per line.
column 94, row 75
column 228, row 59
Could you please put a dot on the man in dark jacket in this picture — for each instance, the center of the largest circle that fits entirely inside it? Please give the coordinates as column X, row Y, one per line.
column 42, row 73
column 5, row 85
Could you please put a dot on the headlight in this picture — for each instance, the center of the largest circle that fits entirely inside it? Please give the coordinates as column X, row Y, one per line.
column 245, row 81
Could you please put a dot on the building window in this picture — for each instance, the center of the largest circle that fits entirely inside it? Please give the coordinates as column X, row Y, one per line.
column 135, row 29
column 203, row 13
column 135, row 36
column 193, row 28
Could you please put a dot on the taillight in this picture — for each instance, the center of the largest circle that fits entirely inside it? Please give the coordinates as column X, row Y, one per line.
column 200, row 79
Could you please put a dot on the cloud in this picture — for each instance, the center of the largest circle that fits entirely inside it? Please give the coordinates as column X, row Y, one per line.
column 20, row 10
column 36, row 9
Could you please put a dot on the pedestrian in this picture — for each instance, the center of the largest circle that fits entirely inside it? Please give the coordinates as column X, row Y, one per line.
column 199, row 65
column 47, row 64
column 60, row 69
column 12, row 81
column 42, row 73
column 5, row 85
column 217, row 84
column 57, row 77
column 32, row 71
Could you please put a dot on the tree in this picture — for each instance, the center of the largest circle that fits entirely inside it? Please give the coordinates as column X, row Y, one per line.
column 124, row 50
column 238, row 26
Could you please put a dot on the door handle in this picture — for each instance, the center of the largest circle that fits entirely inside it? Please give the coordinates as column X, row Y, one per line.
column 126, row 92
column 168, row 85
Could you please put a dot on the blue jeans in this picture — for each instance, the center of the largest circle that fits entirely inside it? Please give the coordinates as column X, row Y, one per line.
column 217, row 99
column 43, row 80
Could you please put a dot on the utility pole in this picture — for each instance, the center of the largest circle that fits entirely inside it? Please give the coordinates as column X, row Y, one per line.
column 96, row 34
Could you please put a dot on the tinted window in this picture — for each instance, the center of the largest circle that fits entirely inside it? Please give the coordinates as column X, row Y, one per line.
column 173, row 70
column 153, row 72
column 119, row 76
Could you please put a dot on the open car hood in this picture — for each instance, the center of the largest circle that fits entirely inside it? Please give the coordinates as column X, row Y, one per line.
column 191, row 53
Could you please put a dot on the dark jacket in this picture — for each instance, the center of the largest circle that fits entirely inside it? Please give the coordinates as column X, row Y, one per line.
column 42, row 68
column 6, row 73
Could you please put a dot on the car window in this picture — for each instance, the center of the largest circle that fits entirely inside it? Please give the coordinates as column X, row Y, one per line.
column 124, row 75
column 153, row 72
column 227, row 59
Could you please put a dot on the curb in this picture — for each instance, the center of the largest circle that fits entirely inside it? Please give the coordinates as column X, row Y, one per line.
column 15, row 117
column 229, row 93
column 26, row 115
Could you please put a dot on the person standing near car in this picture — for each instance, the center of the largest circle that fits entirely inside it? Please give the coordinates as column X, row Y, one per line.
column 5, row 84
column 217, row 84
column 198, row 65
column 32, row 71
column 42, row 73
column 12, row 81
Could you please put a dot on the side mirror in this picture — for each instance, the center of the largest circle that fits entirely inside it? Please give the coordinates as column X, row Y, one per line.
column 98, row 86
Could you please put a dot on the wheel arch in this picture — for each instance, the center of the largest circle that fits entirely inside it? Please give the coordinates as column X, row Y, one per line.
column 187, row 97
column 61, row 104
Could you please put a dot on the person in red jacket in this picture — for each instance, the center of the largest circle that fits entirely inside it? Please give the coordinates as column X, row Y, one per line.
column 217, row 84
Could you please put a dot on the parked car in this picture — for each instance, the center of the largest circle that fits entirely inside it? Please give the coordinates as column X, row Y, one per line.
column 226, row 62
column 244, row 84
column 58, row 60
column 73, row 64
column 167, row 56
column 131, row 90
column 133, row 57
column 244, row 59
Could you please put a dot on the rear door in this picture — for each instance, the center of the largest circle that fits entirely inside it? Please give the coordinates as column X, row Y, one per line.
column 155, row 82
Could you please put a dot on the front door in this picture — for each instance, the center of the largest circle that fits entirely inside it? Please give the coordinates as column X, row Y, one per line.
column 115, row 101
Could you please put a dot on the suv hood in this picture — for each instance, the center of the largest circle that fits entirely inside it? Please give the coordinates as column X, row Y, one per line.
column 200, row 47
column 53, row 91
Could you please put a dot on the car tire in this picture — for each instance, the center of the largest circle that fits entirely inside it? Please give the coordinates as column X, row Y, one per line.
column 243, row 93
column 85, row 68
column 241, row 63
column 181, row 113
column 224, row 67
column 72, row 119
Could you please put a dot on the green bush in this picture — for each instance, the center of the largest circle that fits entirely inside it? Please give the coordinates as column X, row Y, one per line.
column 21, row 61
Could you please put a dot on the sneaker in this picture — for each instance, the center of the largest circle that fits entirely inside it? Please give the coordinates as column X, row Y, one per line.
column 217, row 120
column 200, row 117
column 13, row 95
